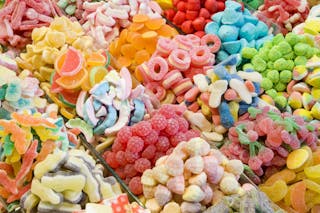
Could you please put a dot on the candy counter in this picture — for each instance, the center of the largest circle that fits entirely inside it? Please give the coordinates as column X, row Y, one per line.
column 159, row 106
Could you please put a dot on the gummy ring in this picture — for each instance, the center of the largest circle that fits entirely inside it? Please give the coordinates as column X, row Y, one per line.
column 169, row 99
column 171, row 78
column 165, row 46
column 157, row 90
column 183, row 42
column 182, row 86
column 209, row 39
column 157, row 68
column 195, row 40
column 180, row 59
column 200, row 56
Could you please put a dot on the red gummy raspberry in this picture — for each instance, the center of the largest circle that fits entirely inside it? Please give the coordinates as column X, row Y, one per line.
column 117, row 146
column 149, row 152
column 124, row 134
column 121, row 158
column 143, row 128
column 158, row 122
column 111, row 160
column 130, row 171
column 142, row 164
column 192, row 134
column 172, row 127
column 120, row 172
column 163, row 144
column 135, row 144
column 167, row 111
column 131, row 157
column 151, row 138
column 176, row 139
column 183, row 124
column 135, row 185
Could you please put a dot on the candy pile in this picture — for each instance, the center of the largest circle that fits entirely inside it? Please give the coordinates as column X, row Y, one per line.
column 64, row 179
column 264, row 137
column 138, row 42
column 71, row 7
column 253, row 4
column 192, row 15
column 169, row 72
column 285, row 14
column 104, row 20
column 237, row 28
column 19, row 18
column 138, row 147
column 26, row 140
column 190, row 178
column 297, row 186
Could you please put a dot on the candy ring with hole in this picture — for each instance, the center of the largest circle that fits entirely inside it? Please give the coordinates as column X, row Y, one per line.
column 212, row 41
column 179, row 59
column 158, row 68
column 200, row 56
column 157, row 90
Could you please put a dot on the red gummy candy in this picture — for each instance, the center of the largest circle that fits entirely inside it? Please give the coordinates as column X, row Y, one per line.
column 179, row 18
column 199, row 23
column 181, row 6
column 170, row 13
column 191, row 15
column 200, row 34
column 204, row 13
column 186, row 27
column 211, row 6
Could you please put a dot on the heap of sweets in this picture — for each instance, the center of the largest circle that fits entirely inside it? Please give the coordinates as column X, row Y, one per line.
column 193, row 15
column 253, row 4
column 111, row 105
column 168, row 73
column 285, row 14
column 252, row 201
column 237, row 29
column 276, row 61
column 137, row 43
column 296, row 187
column 263, row 139
column 18, row 92
column 66, row 181
column 19, row 18
column 138, row 147
column 26, row 139
column 191, row 178
column 223, row 93
column 72, row 7
column 104, row 20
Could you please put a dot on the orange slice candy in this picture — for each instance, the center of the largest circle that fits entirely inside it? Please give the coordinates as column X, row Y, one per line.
column 96, row 59
column 29, row 120
column 69, row 63
column 73, row 82
column 297, row 197
column 155, row 24
column 140, row 18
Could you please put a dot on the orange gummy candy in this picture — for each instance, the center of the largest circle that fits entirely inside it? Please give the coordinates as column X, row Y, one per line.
column 167, row 31
column 140, row 18
column 151, row 46
column 134, row 27
column 29, row 120
column 96, row 59
column 297, row 197
column 123, row 36
column 128, row 50
column 138, row 42
column 47, row 147
column 141, row 56
column 155, row 24
column 285, row 175
column 123, row 62
column 131, row 36
column 150, row 35
column 4, row 193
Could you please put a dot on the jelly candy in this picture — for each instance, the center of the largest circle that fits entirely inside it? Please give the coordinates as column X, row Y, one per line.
column 276, row 191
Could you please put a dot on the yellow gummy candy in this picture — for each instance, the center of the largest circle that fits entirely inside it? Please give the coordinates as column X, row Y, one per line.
column 39, row 33
column 55, row 39
column 312, row 185
column 313, row 171
column 297, row 158
column 277, row 191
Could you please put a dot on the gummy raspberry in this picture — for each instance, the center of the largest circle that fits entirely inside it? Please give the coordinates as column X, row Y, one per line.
column 117, row 146
column 151, row 138
column 135, row 185
column 158, row 122
column 149, row 152
column 135, row 144
column 172, row 127
column 131, row 157
column 167, row 111
column 183, row 124
column 143, row 128
column 176, row 139
column 130, row 171
column 120, row 172
column 192, row 134
column 163, row 144
column 111, row 160
column 124, row 134
column 254, row 163
column 142, row 164
column 121, row 158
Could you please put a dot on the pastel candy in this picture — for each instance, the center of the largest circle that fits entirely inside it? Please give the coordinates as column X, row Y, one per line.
column 45, row 193
column 232, row 47
column 230, row 17
column 162, row 195
column 193, row 193
column 212, row 28
column 218, row 88
column 228, row 33
column 315, row 110
column 248, row 32
column 241, row 90
column 295, row 100
column 225, row 113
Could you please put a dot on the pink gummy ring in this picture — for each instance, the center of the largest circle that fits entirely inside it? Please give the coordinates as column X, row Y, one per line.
column 212, row 41
column 165, row 46
column 182, row 86
column 183, row 42
column 157, row 68
column 180, row 59
column 171, row 78
column 200, row 56
column 157, row 90
column 195, row 40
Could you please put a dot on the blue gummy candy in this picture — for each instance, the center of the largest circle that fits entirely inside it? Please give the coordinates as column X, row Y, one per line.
column 228, row 33
column 217, row 17
column 252, row 44
column 13, row 92
column 248, row 31
column 232, row 47
column 230, row 17
column 101, row 89
column 138, row 112
column 109, row 121
column 232, row 60
column 262, row 29
column 225, row 115
column 255, row 101
column 243, row 107
column 96, row 105
column 251, row 19
column 256, row 87
column 222, row 73
column 244, row 43
column 212, row 28
column 222, row 55
column 22, row 103
column 233, row 5
column 236, row 76
column 246, row 12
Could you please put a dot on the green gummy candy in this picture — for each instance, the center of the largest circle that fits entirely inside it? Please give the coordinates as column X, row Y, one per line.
column 258, row 64
column 273, row 76
column 266, row 84
column 247, row 66
column 280, row 64
column 264, row 54
column 13, row 92
column 300, row 60
column 8, row 146
column 301, row 49
column 274, row 53
column 284, row 47
column 289, row 56
column 277, row 39
column 280, row 87
column 63, row 3
column 71, row 9
column 290, row 65
column 268, row 44
column 248, row 52
column 280, row 101
column 270, row 65
column 292, row 39
column 4, row 114
column 2, row 93
column 285, row 76
column 312, row 51
column 272, row 93
column 85, row 128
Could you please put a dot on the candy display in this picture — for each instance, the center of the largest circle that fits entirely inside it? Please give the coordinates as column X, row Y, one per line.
column 237, row 28
column 147, row 106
